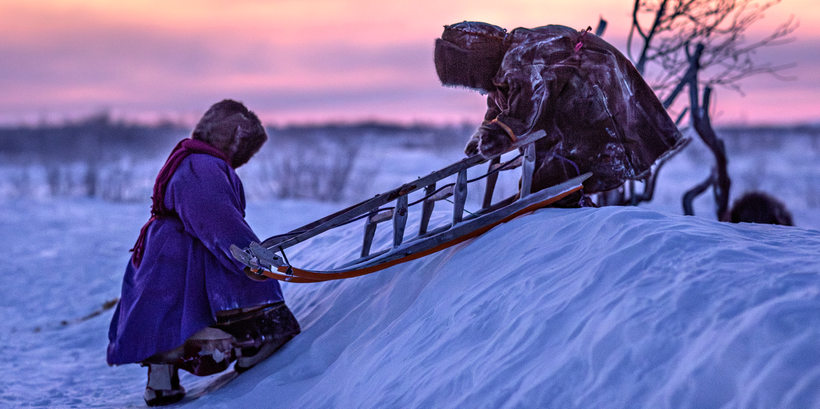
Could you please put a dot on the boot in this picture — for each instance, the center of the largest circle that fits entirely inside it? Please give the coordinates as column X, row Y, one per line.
column 163, row 385
column 259, row 333
column 207, row 352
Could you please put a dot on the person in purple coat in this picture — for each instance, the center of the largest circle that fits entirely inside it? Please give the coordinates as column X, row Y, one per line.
column 186, row 302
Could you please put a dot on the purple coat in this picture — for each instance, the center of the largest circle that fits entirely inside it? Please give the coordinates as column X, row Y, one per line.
column 187, row 273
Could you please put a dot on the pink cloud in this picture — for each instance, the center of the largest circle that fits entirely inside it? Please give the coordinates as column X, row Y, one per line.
column 301, row 59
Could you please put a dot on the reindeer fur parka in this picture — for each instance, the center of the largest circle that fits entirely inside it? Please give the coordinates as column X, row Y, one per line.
column 598, row 112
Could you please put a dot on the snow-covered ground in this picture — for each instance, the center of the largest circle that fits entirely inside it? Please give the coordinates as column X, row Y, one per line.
column 612, row 307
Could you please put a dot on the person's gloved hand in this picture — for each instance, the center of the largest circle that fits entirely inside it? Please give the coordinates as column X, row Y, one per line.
column 490, row 139
column 472, row 145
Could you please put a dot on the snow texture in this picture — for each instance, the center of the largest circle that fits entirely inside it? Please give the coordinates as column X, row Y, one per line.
column 609, row 308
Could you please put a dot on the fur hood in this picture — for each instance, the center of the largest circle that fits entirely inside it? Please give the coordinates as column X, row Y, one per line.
column 469, row 54
column 233, row 129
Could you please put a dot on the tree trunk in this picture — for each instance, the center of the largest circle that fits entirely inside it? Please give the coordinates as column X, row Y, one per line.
column 699, row 112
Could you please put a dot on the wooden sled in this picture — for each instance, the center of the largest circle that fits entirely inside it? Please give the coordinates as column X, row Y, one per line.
column 268, row 259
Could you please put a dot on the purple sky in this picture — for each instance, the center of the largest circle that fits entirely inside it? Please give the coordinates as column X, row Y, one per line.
column 312, row 60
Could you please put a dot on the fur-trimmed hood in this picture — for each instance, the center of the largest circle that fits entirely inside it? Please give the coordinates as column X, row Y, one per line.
column 233, row 129
column 469, row 54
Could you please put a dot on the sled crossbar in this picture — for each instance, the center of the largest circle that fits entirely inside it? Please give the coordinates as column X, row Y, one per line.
column 262, row 259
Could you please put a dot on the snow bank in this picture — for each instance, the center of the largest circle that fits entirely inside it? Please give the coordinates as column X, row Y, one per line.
column 610, row 308
column 614, row 307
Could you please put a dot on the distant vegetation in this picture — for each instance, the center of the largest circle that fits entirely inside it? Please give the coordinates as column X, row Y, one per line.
column 116, row 161
column 95, row 157
column 93, row 139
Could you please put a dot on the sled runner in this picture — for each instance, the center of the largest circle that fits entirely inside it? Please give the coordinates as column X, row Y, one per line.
column 269, row 259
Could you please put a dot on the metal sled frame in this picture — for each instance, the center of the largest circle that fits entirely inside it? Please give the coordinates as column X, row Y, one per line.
column 268, row 259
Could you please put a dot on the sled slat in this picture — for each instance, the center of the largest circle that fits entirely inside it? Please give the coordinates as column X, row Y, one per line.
column 426, row 209
column 491, row 180
column 399, row 220
column 527, row 169
column 369, row 232
column 459, row 196
column 370, row 228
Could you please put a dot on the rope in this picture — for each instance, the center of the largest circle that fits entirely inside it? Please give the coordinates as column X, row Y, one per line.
column 289, row 271
column 498, row 169
column 580, row 43
column 506, row 129
column 582, row 201
column 471, row 213
column 577, row 171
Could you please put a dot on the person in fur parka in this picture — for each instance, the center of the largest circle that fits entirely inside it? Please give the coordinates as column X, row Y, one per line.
column 186, row 302
column 598, row 112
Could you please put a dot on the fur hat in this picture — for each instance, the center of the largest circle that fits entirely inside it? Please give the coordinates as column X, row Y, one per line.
column 233, row 129
column 469, row 54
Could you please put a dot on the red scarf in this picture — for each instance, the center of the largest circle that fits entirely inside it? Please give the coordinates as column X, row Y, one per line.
column 158, row 209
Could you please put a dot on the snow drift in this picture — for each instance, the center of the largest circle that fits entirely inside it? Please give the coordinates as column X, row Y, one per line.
column 611, row 308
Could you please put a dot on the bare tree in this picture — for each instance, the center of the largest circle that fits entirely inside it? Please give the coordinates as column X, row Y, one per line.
column 665, row 33
column 700, row 44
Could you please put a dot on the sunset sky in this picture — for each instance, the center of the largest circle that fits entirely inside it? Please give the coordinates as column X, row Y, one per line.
column 314, row 60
